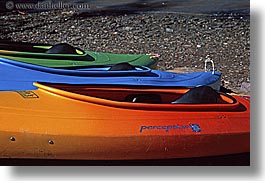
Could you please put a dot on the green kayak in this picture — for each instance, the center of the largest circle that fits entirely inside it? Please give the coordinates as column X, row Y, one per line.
column 66, row 56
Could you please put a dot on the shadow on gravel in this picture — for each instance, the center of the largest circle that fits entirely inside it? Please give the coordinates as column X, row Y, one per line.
column 227, row 160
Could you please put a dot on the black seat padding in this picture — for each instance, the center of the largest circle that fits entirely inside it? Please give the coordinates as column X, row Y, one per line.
column 122, row 66
column 144, row 98
column 199, row 95
column 62, row 48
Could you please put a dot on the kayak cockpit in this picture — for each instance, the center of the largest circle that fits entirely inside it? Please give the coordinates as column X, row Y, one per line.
column 58, row 52
column 61, row 48
column 119, row 69
column 199, row 98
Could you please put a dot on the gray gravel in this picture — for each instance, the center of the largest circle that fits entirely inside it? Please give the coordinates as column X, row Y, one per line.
column 182, row 40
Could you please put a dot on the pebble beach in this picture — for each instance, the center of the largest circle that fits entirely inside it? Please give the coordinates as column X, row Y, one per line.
column 183, row 40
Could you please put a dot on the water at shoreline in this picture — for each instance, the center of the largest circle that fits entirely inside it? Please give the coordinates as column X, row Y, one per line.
column 212, row 7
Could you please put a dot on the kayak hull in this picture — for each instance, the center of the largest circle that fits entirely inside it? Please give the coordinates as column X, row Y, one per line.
column 69, row 147
column 50, row 124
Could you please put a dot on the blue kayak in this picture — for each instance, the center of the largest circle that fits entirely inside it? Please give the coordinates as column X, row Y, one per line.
column 16, row 75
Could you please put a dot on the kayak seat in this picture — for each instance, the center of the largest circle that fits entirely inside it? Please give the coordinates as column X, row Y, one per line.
column 199, row 95
column 122, row 66
column 144, row 98
column 63, row 48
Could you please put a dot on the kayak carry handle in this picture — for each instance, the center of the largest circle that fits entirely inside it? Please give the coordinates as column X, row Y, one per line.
column 208, row 60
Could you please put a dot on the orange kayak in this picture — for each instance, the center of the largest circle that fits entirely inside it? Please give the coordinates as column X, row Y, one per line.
column 99, row 123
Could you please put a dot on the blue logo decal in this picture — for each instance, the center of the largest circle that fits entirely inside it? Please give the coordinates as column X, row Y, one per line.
column 194, row 127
